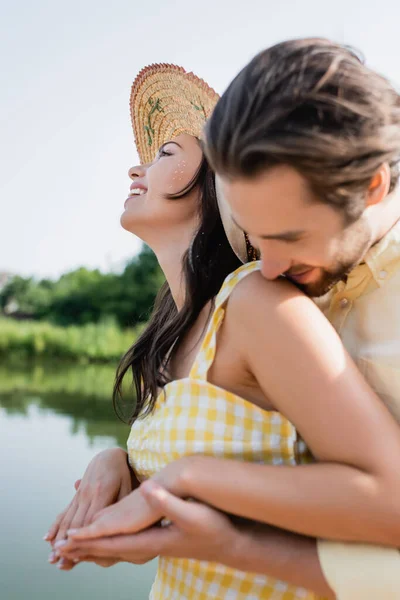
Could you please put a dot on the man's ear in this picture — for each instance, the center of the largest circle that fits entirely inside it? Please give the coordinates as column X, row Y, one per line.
column 379, row 186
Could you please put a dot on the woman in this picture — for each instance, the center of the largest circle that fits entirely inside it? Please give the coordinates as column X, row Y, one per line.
column 211, row 375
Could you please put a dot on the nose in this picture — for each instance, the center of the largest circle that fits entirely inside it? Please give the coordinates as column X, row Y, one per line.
column 136, row 171
column 271, row 268
column 276, row 258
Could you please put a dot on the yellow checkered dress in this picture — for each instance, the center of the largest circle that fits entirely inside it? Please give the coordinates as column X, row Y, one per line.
column 193, row 416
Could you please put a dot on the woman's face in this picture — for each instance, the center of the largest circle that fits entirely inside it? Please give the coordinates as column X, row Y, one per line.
column 148, row 212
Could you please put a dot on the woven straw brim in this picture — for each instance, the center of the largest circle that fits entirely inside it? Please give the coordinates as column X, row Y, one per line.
column 165, row 102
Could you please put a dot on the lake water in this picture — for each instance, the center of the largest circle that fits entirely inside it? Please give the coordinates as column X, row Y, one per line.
column 52, row 422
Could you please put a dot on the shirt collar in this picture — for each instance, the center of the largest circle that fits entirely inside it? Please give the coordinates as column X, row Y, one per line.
column 383, row 258
column 380, row 262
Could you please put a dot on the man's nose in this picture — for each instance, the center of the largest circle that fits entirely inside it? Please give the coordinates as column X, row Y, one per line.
column 271, row 268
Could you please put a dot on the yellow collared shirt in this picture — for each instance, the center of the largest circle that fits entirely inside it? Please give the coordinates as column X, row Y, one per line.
column 365, row 311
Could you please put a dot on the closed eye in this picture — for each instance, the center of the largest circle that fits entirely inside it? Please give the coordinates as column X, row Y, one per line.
column 163, row 152
column 290, row 240
column 284, row 236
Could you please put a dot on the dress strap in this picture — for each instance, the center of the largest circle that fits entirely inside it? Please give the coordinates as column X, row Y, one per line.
column 206, row 354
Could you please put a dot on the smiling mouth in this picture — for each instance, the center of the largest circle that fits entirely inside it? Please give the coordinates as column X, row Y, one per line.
column 300, row 277
column 136, row 192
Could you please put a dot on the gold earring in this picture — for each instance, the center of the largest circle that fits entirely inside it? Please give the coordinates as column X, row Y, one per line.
column 252, row 253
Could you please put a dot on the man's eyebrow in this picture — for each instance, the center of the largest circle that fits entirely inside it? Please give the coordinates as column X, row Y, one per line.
column 286, row 236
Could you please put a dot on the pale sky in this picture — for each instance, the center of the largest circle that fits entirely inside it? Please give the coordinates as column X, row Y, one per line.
column 67, row 66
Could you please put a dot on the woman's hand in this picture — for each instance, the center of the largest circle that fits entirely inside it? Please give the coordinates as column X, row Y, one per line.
column 133, row 513
column 199, row 532
column 196, row 531
column 107, row 479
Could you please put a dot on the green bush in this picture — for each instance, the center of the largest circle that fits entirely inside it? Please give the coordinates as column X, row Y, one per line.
column 100, row 342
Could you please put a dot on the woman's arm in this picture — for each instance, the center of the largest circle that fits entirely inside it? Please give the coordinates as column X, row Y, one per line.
column 300, row 364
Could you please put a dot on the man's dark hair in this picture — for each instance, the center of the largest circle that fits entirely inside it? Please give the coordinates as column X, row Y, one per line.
column 311, row 104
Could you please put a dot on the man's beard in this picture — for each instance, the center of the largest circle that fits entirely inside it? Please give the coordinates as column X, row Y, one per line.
column 326, row 282
column 354, row 247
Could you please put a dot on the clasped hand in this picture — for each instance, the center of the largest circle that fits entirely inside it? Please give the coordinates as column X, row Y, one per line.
column 130, row 530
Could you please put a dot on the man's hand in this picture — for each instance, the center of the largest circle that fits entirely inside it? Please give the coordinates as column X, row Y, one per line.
column 200, row 532
column 196, row 531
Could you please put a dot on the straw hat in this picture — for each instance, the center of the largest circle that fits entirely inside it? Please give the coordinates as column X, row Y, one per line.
column 165, row 102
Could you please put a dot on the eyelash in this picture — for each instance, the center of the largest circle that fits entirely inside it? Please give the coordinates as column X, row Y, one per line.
column 163, row 152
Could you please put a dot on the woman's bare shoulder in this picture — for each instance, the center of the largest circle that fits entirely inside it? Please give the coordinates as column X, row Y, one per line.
column 254, row 290
column 258, row 307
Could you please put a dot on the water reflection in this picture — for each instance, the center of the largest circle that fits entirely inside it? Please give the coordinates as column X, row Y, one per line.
column 80, row 391
column 53, row 420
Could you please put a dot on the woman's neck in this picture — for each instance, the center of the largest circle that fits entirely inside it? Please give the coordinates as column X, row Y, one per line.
column 170, row 261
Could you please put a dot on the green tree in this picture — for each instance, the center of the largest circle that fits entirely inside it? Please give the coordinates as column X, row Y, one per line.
column 89, row 296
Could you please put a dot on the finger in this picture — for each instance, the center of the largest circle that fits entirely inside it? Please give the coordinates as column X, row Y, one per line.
column 104, row 523
column 68, row 517
column 102, row 548
column 100, row 562
column 98, row 504
column 105, row 563
column 53, row 558
column 51, row 534
column 65, row 565
column 185, row 515
column 138, row 548
column 130, row 515
column 79, row 517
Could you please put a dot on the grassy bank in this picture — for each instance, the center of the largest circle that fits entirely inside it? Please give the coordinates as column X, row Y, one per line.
column 92, row 343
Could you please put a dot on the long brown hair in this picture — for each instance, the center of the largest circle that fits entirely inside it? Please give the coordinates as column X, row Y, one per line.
column 205, row 265
column 311, row 104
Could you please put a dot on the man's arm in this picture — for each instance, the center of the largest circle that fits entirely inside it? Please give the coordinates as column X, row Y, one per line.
column 330, row 569
column 282, row 555
column 203, row 533
column 200, row 532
